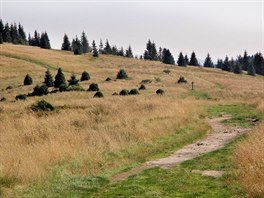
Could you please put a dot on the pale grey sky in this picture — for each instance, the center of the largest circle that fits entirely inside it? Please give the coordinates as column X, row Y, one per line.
column 218, row 27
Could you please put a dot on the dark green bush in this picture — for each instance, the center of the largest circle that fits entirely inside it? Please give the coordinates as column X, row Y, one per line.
column 142, row 87
column 85, row 76
column 108, row 79
column 122, row 74
column 3, row 99
column 40, row 90
column 160, row 92
column 133, row 92
column 182, row 80
column 73, row 80
column 75, row 88
column 98, row 94
column 28, row 80
column 42, row 105
column 63, row 87
column 124, row 92
column 93, row 87
column 167, row 71
column 146, row 81
column 115, row 94
column 21, row 97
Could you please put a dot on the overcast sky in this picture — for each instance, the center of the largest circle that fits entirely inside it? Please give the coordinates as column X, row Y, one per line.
column 219, row 27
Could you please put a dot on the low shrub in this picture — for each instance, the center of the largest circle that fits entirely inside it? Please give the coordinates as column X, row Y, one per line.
column 142, row 87
column 122, row 74
column 157, row 79
column 75, row 88
column 21, row 97
column 40, row 90
column 28, row 80
column 93, row 87
column 146, row 81
column 108, row 79
column 182, row 80
column 63, row 87
column 9, row 87
column 98, row 94
column 123, row 92
column 73, row 80
column 42, row 105
column 85, row 76
column 115, row 94
column 133, row 92
column 160, row 92
column 3, row 99
column 167, row 71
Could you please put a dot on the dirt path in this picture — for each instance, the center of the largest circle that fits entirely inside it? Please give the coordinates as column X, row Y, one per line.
column 219, row 136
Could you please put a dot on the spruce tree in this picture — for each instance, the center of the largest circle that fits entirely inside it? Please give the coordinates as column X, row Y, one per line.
column 1, row 26
column 193, row 60
column 66, row 43
column 245, row 61
column 84, row 43
column 237, row 68
column 129, row 52
column 28, row 80
column 95, row 51
column 6, row 34
column 181, row 61
column 101, row 47
column 73, row 80
column 251, row 70
column 114, row 50
column 151, row 51
column 59, row 79
column 168, row 58
column 186, row 59
column 208, row 61
column 107, row 48
column 219, row 64
column 232, row 65
column 14, row 33
column 1, row 38
column 44, row 41
column 21, row 35
column 121, row 52
column 48, row 80
column 77, row 46
column 258, row 61
column 36, row 40
column 226, row 65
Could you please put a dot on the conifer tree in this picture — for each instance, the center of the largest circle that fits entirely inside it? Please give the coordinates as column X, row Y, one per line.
column 77, row 46
column 193, row 60
column 181, row 61
column 73, row 80
column 129, row 52
column 114, row 50
column 21, row 35
column 208, row 61
column 219, row 64
column 245, row 61
column 14, row 33
column 44, row 41
column 6, row 34
column 237, row 68
column 121, row 52
column 28, row 80
column 36, row 40
column 95, row 51
column 107, row 48
column 59, row 79
column 66, row 43
column 160, row 54
column 226, row 65
column 84, row 43
column 232, row 65
column 186, row 59
column 151, row 51
column 85, row 76
column 251, row 70
column 1, row 38
column 258, row 61
column 1, row 26
column 168, row 58
column 101, row 47
column 48, row 80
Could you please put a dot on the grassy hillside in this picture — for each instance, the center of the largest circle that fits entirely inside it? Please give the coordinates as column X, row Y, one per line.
column 90, row 137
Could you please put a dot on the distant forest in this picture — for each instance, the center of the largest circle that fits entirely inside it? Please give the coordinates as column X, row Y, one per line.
column 13, row 33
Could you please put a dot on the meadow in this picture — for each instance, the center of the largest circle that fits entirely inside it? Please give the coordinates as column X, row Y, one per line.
column 91, row 137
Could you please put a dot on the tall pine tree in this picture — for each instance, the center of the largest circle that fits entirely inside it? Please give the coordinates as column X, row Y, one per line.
column 6, row 34
column 59, row 79
column 95, row 51
column 44, row 41
column 181, row 61
column 85, row 43
column 151, row 51
column 129, row 52
column 168, row 58
column 251, row 70
column 193, row 60
column 77, row 46
column 48, row 80
column 208, row 61
column 245, row 61
column 66, row 45
column 107, row 48
column 226, row 64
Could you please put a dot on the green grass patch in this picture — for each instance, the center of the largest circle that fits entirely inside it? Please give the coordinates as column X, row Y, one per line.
column 242, row 115
column 180, row 181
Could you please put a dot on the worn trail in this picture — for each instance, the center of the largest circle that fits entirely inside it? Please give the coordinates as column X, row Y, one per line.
column 220, row 135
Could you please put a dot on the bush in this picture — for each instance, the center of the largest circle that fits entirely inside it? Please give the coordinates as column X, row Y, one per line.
column 114, row 94
column 73, row 80
column 63, row 87
column 93, row 87
column 42, row 105
column 124, row 92
column 85, row 76
column 9, row 87
column 122, row 74
column 98, row 94
column 182, row 80
column 167, row 71
column 75, row 88
column 3, row 99
column 157, row 79
column 142, row 87
column 146, row 81
column 160, row 92
column 108, row 79
column 40, row 90
column 21, row 97
column 28, row 80
column 133, row 92
column 59, row 79
column 48, row 80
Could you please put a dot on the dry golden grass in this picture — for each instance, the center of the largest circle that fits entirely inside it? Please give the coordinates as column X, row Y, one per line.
column 249, row 157
column 86, row 128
